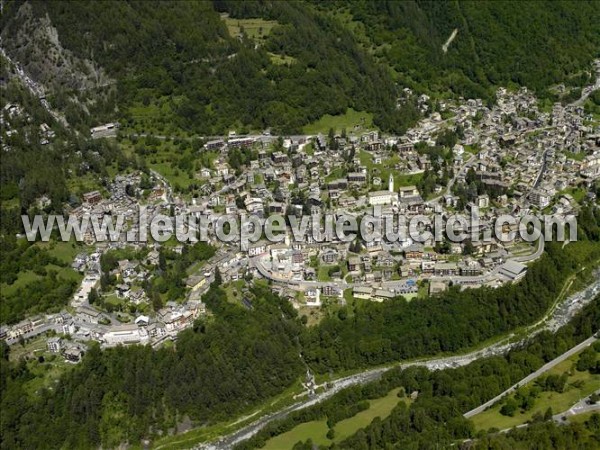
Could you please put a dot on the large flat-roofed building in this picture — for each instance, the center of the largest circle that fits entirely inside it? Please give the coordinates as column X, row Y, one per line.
column 513, row 270
column 106, row 130
column 126, row 334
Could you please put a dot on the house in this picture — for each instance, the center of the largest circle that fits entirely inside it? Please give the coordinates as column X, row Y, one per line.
column 152, row 258
column 383, row 294
column 213, row 145
column 279, row 157
column 382, row 198
column 362, row 292
column 329, row 256
column 92, row 198
column 446, row 269
column 54, row 344
column 138, row 297
column 240, row 142
column 424, row 163
column 384, row 259
column 313, row 297
column 414, row 251
column 68, row 327
column 407, row 287
column 142, row 321
column 122, row 290
column 357, row 177
column 258, row 248
column 408, row 191
column 297, row 257
column 88, row 314
column 276, row 207
column 541, row 197
column 106, row 130
column 195, row 282
column 483, row 201
column 353, row 264
column 427, row 266
column 74, row 354
column 156, row 330
column 331, row 291
column 321, row 142
column 471, row 269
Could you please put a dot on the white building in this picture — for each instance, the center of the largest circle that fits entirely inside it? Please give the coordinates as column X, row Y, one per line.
column 126, row 334
column 388, row 197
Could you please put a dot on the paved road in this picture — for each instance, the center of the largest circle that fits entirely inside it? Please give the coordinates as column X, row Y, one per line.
column 532, row 376
column 256, row 262
column 581, row 407
column 586, row 91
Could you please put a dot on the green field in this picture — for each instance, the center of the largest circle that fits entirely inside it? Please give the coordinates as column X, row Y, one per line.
column 165, row 158
column 281, row 59
column 386, row 167
column 64, row 251
column 81, row 184
column 578, row 194
column 406, row 180
column 255, row 29
column 579, row 385
column 581, row 418
column 154, row 117
column 381, row 407
column 575, row 156
column 363, row 121
column 317, row 429
column 323, row 274
column 473, row 149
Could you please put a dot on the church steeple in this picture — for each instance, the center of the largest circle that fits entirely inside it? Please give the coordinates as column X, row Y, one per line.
column 391, row 183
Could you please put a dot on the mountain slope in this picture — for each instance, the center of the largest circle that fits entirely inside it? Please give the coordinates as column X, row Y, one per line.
column 206, row 67
column 182, row 55
column 497, row 43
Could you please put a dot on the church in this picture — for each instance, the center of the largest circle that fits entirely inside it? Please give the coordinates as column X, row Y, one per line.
column 389, row 197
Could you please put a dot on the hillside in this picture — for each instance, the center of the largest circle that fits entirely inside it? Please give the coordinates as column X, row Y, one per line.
column 184, row 58
column 207, row 67
column 535, row 44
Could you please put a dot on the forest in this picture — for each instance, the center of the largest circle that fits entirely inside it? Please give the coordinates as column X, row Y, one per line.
column 314, row 58
column 434, row 419
column 211, row 80
column 218, row 368
column 49, row 291
column 534, row 44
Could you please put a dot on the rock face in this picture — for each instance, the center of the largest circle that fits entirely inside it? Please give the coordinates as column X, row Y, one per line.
column 33, row 41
